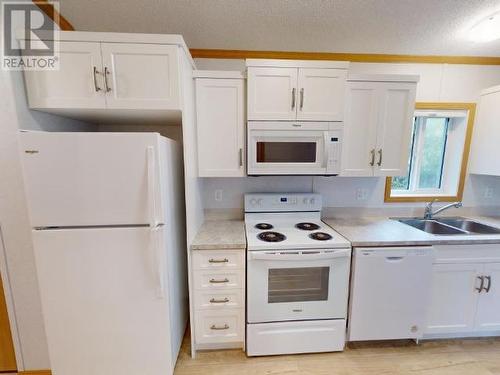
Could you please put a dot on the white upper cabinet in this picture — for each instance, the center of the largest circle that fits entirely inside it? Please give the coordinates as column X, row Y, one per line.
column 77, row 84
column 220, row 123
column 142, row 76
column 288, row 90
column 394, row 128
column 109, row 76
column 486, row 138
column 358, row 151
column 321, row 94
column 272, row 93
column 378, row 124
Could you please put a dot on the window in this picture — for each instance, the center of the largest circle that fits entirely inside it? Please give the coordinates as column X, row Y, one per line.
column 438, row 156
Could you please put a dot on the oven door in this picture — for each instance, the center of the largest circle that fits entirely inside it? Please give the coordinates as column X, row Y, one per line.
column 287, row 148
column 297, row 284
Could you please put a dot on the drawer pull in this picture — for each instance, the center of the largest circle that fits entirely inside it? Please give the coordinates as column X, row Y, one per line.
column 215, row 328
column 214, row 281
column 225, row 260
column 213, row 300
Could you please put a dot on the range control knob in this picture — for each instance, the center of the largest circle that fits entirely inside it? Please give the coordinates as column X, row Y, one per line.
column 305, row 200
column 312, row 201
column 259, row 201
column 253, row 201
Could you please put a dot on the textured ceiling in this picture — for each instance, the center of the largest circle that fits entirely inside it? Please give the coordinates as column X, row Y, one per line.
column 433, row 27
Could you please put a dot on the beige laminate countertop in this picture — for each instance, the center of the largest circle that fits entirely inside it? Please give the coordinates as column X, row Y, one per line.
column 220, row 234
column 382, row 231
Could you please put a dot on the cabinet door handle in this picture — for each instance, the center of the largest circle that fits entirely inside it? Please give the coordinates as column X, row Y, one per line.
column 225, row 260
column 293, row 98
column 379, row 163
column 240, row 156
column 215, row 281
column 96, row 86
column 106, row 72
column 481, row 287
column 225, row 300
column 215, row 328
column 487, row 288
column 372, row 162
column 301, row 98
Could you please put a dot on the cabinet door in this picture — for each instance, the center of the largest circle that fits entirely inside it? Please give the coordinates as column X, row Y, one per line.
column 321, row 94
column 453, row 298
column 488, row 310
column 221, row 127
column 360, row 126
column 141, row 76
column 77, row 84
column 396, row 108
column 272, row 93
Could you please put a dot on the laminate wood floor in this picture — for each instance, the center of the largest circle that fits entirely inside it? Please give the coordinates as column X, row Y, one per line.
column 440, row 357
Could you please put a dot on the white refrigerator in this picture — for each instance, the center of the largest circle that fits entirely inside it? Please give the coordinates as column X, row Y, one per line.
column 107, row 211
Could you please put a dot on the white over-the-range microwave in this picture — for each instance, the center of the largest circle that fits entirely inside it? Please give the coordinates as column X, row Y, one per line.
column 294, row 148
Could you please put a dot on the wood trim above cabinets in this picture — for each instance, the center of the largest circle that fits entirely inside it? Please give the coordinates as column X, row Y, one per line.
column 35, row 372
column 54, row 15
column 353, row 57
column 471, row 108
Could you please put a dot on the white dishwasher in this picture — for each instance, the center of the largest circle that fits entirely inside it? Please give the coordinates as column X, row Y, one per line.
column 390, row 289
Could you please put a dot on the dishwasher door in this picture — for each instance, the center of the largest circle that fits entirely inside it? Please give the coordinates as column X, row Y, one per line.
column 390, row 289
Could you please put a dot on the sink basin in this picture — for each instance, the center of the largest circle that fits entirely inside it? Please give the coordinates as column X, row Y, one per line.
column 432, row 226
column 469, row 225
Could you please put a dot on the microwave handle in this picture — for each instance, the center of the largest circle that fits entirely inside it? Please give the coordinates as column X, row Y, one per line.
column 258, row 255
column 326, row 135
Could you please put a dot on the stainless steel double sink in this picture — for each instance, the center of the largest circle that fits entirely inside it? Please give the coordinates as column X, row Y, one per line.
column 449, row 226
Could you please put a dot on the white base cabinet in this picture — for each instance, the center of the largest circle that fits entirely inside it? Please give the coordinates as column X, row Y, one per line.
column 465, row 297
column 220, row 123
column 378, row 125
column 219, row 298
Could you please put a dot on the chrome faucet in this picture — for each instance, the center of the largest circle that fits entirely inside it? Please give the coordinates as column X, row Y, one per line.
column 428, row 208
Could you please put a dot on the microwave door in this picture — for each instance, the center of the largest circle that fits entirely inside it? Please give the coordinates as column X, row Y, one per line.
column 287, row 152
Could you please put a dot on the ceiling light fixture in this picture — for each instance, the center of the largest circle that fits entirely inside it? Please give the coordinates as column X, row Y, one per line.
column 486, row 30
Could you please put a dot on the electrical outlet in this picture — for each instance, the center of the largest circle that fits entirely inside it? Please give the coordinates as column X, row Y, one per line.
column 218, row 195
column 361, row 194
column 488, row 192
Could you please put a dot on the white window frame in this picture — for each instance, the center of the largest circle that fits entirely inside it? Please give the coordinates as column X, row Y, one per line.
column 417, row 151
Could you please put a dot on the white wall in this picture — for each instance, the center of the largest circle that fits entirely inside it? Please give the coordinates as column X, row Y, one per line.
column 438, row 83
column 17, row 264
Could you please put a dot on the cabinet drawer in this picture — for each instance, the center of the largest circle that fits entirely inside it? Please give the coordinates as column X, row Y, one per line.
column 214, row 280
column 218, row 259
column 217, row 299
column 219, row 326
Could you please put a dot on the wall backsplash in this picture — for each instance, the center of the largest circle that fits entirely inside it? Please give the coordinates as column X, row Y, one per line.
column 359, row 192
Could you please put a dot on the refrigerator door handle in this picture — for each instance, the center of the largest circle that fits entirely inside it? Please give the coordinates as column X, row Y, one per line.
column 156, row 249
column 151, row 165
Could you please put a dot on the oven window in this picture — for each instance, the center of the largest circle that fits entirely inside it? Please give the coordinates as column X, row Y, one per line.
column 286, row 152
column 298, row 284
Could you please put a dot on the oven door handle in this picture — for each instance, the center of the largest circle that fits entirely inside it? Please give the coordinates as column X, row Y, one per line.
column 301, row 256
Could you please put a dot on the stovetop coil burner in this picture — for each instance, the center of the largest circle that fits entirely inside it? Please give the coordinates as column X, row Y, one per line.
column 320, row 236
column 271, row 236
column 264, row 226
column 307, row 226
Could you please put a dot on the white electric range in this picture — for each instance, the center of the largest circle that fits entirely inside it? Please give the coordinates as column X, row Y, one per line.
column 297, row 276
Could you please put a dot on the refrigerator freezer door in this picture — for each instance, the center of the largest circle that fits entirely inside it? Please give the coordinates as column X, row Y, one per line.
column 99, row 289
column 93, row 179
